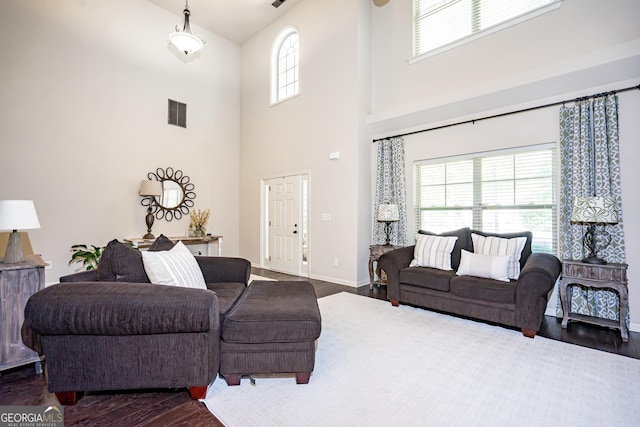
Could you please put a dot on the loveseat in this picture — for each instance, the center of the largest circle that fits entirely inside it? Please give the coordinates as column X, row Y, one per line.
column 112, row 329
column 515, row 297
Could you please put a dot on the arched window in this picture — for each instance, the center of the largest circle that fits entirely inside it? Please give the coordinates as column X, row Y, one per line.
column 285, row 62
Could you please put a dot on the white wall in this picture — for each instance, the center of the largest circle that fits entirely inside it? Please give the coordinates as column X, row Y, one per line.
column 583, row 48
column 297, row 135
column 83, row 119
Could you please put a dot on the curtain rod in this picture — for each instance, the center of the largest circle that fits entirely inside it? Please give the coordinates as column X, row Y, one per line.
column 524, row 110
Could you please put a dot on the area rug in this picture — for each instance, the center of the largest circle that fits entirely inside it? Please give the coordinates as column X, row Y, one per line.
column 378, row 365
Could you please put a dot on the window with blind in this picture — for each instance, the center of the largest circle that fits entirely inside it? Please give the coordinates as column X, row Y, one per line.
column 442, row 24
column 501, row 192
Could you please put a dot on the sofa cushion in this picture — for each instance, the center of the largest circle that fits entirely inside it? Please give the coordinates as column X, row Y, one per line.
column 121, row 263
column 511, row 247
column 424, row 277
column 176, row 267
column 463, row 242
column 478, row 288
column 488, row 266
column 433, row 251
column 526, row 251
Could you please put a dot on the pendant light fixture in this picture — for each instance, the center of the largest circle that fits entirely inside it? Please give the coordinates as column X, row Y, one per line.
column 183, row 40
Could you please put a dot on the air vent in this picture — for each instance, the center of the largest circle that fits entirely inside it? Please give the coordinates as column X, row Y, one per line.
column 177, row 113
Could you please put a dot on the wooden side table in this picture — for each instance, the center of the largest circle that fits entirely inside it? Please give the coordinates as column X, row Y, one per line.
column 17, row 283
column 375, row 252
column 599, row 276
column 187, row 240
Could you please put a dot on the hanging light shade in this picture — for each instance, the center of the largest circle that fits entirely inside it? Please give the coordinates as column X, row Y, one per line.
column 184, row 40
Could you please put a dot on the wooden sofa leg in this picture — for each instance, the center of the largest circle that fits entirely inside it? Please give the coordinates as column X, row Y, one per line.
column 394, row 302
column 67, row 397
column 529, row 333
column 198, row 392
column 302, row 377
column 233, row 379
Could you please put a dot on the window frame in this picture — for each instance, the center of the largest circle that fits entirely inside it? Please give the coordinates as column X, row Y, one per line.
column 476, row 34
column 478, row 208
column 278, row 44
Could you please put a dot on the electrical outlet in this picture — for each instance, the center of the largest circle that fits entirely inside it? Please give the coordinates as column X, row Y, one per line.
column 336, row 263
column 48, row 265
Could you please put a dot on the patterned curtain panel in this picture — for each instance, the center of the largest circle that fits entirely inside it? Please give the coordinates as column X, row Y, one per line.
column 590, row 165
column 390, row 188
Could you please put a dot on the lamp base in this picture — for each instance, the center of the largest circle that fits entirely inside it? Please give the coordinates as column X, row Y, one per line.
column 14, row 254
column 593, row 260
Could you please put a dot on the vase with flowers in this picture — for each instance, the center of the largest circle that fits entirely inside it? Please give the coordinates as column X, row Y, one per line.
column 199, row 219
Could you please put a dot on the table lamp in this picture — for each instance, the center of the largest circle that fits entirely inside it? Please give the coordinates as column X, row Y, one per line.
column 594, row 211
column 150, row 189
column 17, row 215
column 388, row 213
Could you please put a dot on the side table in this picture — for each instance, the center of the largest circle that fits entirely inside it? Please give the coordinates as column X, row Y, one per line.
column 599, row 276
column 375, row 252
column 187, row 240
column 17, row 283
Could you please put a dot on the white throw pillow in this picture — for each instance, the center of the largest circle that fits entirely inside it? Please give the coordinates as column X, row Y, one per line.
column 433, row 251
column 176, row 267
column 500, row 246
column 489, row 266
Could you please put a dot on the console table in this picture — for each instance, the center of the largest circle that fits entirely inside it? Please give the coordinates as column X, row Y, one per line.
column 17, row 283
column 187, row 240
column 375, row 252
column 612, row 277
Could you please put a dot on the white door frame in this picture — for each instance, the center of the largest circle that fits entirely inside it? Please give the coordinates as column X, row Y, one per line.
column 303, row 267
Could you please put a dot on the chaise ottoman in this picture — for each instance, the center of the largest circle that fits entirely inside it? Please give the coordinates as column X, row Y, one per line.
column 271, row 329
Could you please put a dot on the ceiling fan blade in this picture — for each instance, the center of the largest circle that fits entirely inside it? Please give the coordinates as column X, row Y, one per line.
column 380, row 3
column 277, row 3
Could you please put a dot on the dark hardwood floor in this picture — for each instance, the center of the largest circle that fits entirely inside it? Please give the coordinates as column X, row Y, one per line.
column 21, row 386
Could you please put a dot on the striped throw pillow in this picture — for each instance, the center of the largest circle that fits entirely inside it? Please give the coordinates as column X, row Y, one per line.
column 176, row 267
column 433, row 251
column 503, row 247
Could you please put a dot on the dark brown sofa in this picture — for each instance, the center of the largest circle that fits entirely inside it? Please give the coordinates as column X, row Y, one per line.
column 518, row 303
column 122, row 332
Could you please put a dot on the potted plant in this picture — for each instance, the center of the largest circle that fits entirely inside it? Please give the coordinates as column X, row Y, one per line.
column 88, row 255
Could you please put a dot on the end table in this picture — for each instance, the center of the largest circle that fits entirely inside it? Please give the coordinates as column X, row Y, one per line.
column 375, row 252
column 17, row 283
column 599, row 276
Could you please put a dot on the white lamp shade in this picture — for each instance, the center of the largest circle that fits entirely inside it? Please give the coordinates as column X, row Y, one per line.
column 594, row 209
column 388, row 212
column 185, row 42
column 150, row 188
column 18, row 215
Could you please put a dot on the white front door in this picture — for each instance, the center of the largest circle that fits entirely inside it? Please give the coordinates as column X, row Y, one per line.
column 284, row 224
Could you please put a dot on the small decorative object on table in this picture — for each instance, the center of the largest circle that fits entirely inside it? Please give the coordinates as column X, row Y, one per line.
column 199, row 220
column 594, row 211
column 388, row 213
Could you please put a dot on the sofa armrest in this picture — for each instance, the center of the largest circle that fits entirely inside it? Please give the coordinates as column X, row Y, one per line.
column 392, row 262
column 121, row 308
column 537, row 278
column 82, row 276
column 224, row 269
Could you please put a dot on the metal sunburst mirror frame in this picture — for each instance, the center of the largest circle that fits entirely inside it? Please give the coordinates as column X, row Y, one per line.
column 177, row 196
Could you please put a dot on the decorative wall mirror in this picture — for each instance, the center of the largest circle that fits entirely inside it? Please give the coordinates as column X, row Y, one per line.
column 177, row 194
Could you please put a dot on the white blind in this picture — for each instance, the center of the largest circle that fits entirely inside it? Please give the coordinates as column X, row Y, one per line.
column 440, row 22
column 495, row 192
